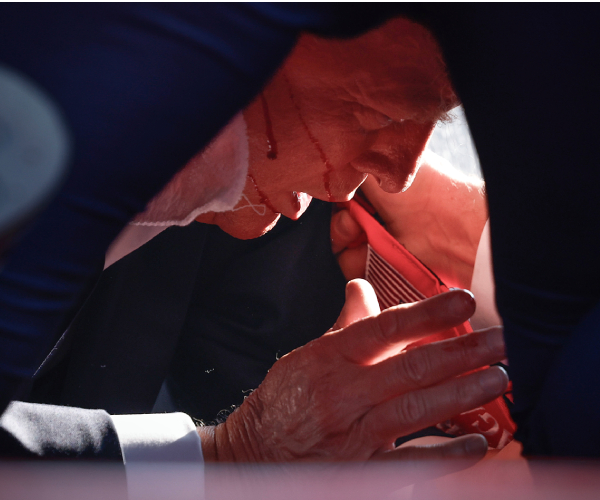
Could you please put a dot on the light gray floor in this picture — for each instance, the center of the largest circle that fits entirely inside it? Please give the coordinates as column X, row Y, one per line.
column 453, row 142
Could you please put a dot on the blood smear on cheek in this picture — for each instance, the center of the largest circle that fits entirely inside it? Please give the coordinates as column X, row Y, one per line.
column 313, row 139
column 263, row 197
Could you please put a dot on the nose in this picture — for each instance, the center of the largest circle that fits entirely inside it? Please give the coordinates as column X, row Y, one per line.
column 395, row 154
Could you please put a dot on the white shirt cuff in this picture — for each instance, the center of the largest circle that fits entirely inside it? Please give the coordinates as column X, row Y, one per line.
column 156, row 439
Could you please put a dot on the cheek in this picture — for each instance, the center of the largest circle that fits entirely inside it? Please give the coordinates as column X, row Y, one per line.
column 344, row 142
column 395, row 156
column 344, row 182
column 331, row 176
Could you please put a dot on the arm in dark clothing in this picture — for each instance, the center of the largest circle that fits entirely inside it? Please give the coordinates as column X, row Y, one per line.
column 528, row 76
column 29, row 430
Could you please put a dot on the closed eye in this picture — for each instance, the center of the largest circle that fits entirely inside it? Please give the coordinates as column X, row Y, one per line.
column 370, row 119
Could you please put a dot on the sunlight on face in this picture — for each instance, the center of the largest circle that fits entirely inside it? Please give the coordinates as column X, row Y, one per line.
column 336, row 111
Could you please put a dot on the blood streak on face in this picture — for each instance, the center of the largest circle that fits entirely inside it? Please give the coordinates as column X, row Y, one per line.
column 313, row 139
column 341, row 110
column 263, row 197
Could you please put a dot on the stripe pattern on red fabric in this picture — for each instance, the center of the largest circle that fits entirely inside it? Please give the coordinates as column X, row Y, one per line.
column 390, row 286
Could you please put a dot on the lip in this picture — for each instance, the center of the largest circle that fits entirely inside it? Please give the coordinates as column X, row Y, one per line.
column 343, row 187
column 337, row 199
column 296, row 205
column 346, row 197
column 297, row 202
column 342, row 199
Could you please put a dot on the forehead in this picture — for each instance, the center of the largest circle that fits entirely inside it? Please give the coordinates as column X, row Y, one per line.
column 396, row 69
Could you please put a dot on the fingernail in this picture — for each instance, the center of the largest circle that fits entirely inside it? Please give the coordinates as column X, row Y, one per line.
column 495, row 341
column 461, row 301
column 470, row 446
column 493, row 380
column 476, row 446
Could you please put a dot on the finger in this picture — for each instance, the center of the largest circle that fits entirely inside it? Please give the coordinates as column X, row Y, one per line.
column 446, row 458
column 361, row 302
column 344, row 230
column 472, row 447
column 353, row 262
column 366, row 340
column 431, row 364
column 422, row 408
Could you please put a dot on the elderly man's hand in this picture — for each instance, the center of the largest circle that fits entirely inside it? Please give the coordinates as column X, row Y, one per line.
column 349, row 394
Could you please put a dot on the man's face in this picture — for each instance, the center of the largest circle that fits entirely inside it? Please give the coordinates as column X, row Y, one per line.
column 335, row 112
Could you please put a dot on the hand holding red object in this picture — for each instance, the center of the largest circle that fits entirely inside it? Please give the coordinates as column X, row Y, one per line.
column 342, row 397
column 399, row 277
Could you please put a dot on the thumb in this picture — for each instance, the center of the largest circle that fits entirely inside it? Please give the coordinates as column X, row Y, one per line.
column 348, row 243
column 361, row 302
column 471, row 447
column 344, row 231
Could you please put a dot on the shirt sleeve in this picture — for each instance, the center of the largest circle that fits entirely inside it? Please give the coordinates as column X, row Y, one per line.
column 31, row 431
column 159, row 439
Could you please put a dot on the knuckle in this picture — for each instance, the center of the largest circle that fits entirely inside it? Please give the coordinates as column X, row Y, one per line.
column 366, row 432
column 430, row 310
column 383, row 327
column 463, row 392
column 414, row 367
column 461, row 354
column 465, row 354
column 411, row 409
column 317, row 352
column 389, row 326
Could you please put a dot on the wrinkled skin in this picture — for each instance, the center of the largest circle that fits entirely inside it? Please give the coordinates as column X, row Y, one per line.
column 364, row 106
column 349, row 394
column 341, row 110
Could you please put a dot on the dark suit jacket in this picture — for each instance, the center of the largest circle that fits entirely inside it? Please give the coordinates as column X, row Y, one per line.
column 194, row 306
column 102, row 335
column 203, row 310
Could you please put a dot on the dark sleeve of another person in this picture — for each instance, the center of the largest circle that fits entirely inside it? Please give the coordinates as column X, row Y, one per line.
column 528, row 76
column 31, row 431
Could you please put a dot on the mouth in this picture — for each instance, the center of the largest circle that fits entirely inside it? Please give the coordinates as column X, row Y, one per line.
column 298, row 203
column 342, row 199
column 295, row 203
column 347, row 196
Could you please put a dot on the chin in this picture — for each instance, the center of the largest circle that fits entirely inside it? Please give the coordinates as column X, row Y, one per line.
column 248, row 231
